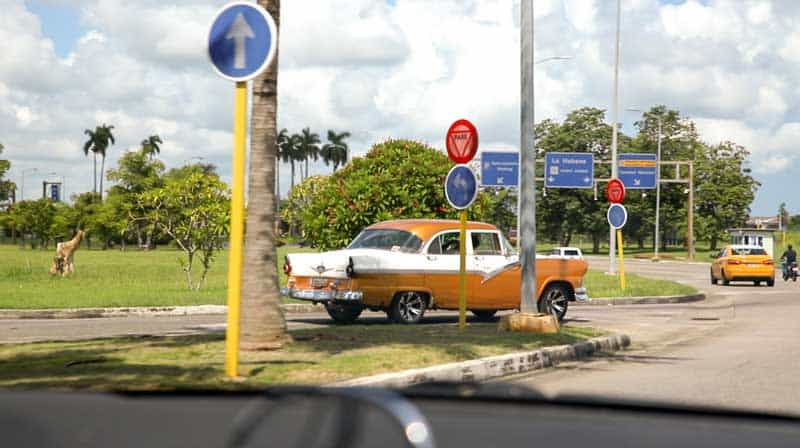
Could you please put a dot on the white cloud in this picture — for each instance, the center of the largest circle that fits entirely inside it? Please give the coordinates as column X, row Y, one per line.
column 406, row 70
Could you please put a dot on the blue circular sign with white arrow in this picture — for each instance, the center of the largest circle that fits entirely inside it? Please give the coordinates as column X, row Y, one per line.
column 461, row 187
column 617, row 215
column 242, row 41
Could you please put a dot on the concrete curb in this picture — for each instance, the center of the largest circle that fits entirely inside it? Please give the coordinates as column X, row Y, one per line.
column 642, row 300
column 495, row 366
column 85, row 313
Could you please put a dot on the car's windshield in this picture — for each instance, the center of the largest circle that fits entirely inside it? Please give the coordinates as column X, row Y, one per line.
column 387, row 239
column 748, row 251
column 228, row 194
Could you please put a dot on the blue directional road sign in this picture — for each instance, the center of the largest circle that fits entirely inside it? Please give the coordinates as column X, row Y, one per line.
column 568, row 170
column 242, row 41
column 55, row 192
column 637, row 171
column 461, row 187
column 500, row 169
column 617, row 215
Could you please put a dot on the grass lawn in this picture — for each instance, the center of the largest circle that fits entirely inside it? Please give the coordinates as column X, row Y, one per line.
column 601, row 285
column 316, row 356
column 110, row 278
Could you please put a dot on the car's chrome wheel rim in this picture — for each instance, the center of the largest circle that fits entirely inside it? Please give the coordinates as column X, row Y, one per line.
column 555, row 302
column 410, row 305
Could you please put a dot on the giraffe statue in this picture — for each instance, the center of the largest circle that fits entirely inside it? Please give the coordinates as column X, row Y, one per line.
column 63, row 263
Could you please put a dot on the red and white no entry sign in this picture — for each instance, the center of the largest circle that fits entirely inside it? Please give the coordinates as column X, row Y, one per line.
column 461, row 141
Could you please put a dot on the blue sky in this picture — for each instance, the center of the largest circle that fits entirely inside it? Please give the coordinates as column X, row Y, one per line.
column 60, row 23
column 396, row 68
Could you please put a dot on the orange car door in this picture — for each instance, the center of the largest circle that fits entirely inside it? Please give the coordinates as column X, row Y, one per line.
column 441, row 269
column 487, row 257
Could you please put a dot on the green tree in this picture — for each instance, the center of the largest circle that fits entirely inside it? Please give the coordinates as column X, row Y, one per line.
column 565, row 213
column 98, row 142
column 195, row 213
column 34, row 218
column 136, row 172
column 309, row 147
column 396, row 179
column 783, row 216
column 336, row 150
column 724, row 190
column 6, row 186
column 151, row 146
column 263, row 325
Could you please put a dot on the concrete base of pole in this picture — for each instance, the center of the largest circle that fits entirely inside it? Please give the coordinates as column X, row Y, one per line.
column 529, row 323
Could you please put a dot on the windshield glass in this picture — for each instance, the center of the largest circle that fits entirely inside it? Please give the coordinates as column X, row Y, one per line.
column 387, row 239
column 748, row 251
column 180, row 181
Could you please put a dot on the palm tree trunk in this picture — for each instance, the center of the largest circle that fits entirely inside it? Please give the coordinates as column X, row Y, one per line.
column 102, row 169
column 292, row 187
column 94, row 172
column 262, row 322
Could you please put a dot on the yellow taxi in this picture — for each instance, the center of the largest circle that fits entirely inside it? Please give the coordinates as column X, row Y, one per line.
column 739, row 263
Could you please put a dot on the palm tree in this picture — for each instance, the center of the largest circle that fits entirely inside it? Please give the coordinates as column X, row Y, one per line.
column 335, row 151
column 262, row 323
column 99, row 141
column 281, row 141
column 294, row 152
column 309, row 146
column 151, row 146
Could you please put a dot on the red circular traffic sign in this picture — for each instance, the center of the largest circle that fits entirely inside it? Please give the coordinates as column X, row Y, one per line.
column 615, row 191
column 461, row 141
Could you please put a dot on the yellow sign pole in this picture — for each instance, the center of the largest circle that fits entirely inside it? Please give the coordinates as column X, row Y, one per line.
column 237, row 233
column 621, row 261
column 462, row 270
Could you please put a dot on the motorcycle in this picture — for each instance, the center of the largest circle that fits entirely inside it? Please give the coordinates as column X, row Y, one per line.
column 790, row 272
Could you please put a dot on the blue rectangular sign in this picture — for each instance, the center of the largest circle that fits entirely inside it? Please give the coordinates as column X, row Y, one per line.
column 55, row 194
column 569, row 170
column 500, row 169
column 637, row 171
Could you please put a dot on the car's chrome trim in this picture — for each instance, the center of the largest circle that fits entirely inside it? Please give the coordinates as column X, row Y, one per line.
column 323, row 295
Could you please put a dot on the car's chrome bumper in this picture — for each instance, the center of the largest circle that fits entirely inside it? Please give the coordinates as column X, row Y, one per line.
column 581, row 294
column 323, row 295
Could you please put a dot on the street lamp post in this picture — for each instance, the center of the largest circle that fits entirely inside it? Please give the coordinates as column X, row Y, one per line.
column 22, row 185
column 611, row 234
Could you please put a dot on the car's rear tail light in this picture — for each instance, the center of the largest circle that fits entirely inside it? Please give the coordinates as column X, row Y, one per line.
column 733, row 261
column 769, row 262
column 287, row 267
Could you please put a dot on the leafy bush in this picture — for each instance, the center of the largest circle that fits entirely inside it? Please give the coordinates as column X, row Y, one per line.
column 396, row 179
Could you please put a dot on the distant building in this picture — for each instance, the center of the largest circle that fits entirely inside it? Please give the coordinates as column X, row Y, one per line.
column 763, row 222
column 754, row 237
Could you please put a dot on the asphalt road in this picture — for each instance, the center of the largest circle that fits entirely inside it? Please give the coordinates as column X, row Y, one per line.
column 738, row 349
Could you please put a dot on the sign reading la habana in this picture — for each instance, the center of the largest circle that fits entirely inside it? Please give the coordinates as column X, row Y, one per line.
column 242, row 41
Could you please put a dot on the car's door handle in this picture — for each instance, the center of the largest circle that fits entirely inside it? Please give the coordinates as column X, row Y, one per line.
column 431, row 258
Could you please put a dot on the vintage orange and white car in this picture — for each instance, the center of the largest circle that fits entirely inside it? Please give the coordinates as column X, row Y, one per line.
column 405, row 267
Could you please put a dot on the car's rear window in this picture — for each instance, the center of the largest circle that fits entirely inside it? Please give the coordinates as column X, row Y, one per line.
column 571, row 252
column 387, row 239
column 748, row 251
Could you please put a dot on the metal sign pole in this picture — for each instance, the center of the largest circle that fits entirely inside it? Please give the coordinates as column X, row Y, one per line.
column 462, row 272
column 658, row 189
column 527, row 156
column 237, row 233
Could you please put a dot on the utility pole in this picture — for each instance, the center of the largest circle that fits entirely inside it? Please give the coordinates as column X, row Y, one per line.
column 615, row 111
column 527, row 159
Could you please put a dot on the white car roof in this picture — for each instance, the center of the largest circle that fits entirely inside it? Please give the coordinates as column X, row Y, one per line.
column 744, row 246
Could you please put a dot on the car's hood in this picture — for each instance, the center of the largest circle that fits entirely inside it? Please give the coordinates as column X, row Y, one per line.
column 334, row 263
